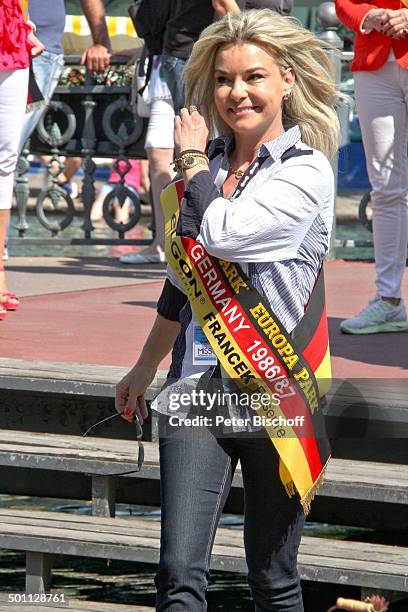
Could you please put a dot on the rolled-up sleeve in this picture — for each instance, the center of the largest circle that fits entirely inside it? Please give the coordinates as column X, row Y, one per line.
column 270, row 223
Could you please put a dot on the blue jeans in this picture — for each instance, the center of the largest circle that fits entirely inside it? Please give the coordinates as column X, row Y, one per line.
column 172, row 68
column 47, row 71
column 196, row 470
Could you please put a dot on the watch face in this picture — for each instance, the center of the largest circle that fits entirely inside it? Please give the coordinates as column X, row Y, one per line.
column 189, row 161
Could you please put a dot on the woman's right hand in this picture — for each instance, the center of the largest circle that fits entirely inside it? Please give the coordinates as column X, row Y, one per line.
column 396, row 23
column 129, row 399
column 375, row 19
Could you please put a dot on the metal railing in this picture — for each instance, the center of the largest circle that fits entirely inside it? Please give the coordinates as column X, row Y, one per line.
column 88, row 119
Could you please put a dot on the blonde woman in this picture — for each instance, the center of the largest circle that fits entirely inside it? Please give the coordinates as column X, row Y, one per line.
column 17, row 45
column 258, row 203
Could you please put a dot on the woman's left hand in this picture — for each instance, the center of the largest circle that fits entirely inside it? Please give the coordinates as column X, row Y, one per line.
column 396, row 24
column 191, row 129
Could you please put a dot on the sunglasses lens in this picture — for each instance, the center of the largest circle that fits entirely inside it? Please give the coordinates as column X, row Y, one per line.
column 139, row 434
column 140, row 458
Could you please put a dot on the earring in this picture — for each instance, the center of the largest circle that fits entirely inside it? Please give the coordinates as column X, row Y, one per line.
column 287, row 95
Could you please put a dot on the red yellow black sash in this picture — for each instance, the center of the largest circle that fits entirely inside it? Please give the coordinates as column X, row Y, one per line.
column 256, row 351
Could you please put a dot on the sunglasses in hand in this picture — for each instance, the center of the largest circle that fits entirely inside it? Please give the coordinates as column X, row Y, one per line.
column 139, row 434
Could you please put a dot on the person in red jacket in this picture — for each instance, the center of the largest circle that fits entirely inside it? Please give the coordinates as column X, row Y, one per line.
column 17, row 45
column 381, row 88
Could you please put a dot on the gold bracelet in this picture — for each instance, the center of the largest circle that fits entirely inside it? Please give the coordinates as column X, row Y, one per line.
column 188, row 160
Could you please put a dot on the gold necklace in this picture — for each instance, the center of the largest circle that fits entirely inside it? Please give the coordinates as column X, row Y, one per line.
column 238, row 173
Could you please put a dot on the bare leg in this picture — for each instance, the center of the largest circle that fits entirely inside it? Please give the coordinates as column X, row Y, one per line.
column 4, row 219
column 71, row 167
column 96, row 212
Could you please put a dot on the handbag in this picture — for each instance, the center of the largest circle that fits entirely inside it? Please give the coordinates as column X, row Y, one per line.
column 142, row 74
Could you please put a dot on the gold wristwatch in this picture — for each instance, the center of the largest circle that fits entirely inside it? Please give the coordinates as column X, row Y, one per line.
column 189, row 159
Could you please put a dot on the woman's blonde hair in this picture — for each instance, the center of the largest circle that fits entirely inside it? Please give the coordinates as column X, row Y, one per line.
column 310, row 104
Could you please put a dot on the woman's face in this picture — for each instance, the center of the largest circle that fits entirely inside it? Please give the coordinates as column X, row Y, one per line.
column 249, row 88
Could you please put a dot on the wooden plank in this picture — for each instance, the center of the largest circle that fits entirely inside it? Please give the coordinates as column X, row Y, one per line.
column 82, row 537
column 86, row 378
column 318, row 558
column 111, row 374
column 58, row 377
column 73, row 605
column 23, row 368
column 387, row 475
column 59, row 519
column 58, row 524
column 317, row 552
column 373, row 481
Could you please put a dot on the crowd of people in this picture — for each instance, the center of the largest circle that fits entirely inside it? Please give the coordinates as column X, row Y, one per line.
column 242, row 104
column 30, row 36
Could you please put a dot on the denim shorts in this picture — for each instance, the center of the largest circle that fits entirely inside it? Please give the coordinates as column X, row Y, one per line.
column 47, row 71
column 172, row 68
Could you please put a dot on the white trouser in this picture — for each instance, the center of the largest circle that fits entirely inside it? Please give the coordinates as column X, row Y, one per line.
column 160, row 129
column 13, row 101
column 382, row 105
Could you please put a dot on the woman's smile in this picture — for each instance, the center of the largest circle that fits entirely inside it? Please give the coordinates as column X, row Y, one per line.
column 244, row 110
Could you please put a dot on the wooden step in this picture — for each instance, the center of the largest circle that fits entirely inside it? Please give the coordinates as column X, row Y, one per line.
column 373, row 414
column 370, row 481
column 137, row 539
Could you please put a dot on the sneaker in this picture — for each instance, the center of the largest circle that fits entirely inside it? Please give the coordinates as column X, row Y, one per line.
column 141, row 258
column 70, row 188
column 378, row 316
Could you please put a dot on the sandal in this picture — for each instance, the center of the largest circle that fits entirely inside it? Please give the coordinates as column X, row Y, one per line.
column 9, row 301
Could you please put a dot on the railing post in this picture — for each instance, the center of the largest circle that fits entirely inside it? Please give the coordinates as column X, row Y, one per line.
column 328, row 22
column 22, row 190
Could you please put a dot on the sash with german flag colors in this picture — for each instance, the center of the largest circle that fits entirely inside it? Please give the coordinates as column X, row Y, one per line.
column 255, row 350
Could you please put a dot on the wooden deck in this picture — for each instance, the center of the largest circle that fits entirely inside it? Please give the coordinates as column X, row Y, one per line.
column 137, row 539
column 82, row 323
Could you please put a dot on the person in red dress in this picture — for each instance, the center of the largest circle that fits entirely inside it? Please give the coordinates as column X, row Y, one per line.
column 18, row 45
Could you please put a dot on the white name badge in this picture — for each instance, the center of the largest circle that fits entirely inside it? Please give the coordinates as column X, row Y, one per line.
column 202, row 351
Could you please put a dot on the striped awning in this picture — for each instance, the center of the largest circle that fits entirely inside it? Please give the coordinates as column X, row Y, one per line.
column 77, row 36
